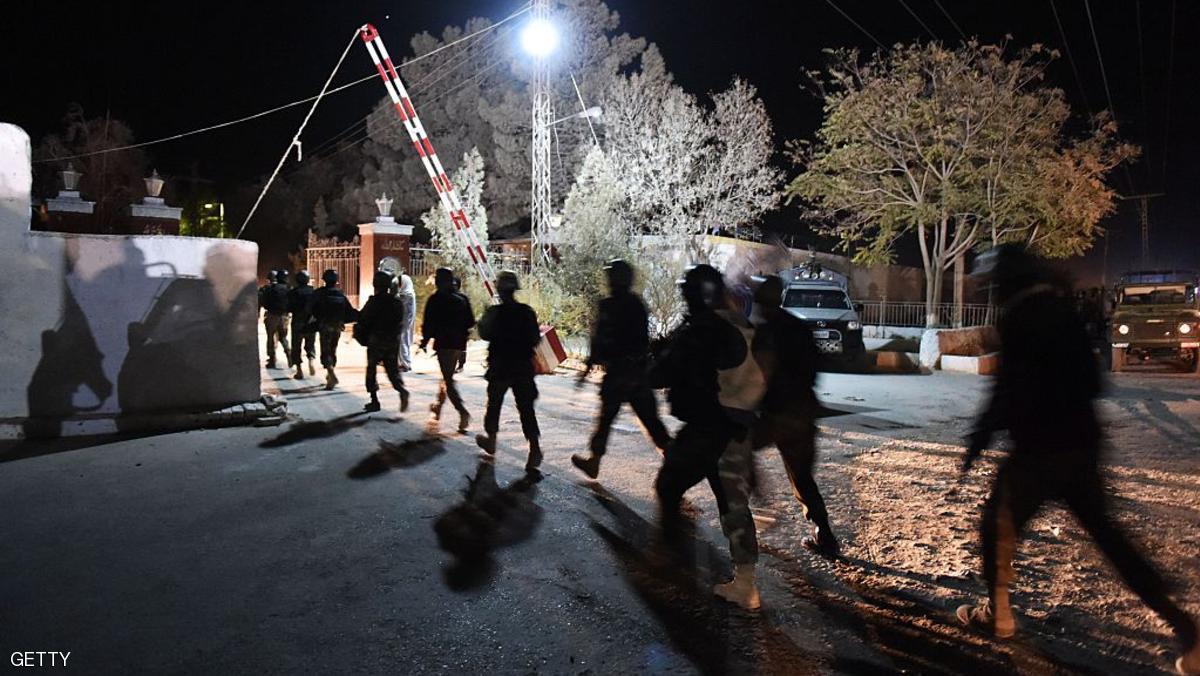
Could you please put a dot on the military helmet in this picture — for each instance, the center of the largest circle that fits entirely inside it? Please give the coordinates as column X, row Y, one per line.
column 383, row 281
column 506, row 281
column 330, row 277
column 271, row 276
column 620, row 273
column 443, row 278
column 281, row 276
column 702, row 286
column 302, row 277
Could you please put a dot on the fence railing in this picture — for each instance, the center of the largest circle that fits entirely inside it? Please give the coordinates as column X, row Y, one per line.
column 425, row 261
column 888, row 313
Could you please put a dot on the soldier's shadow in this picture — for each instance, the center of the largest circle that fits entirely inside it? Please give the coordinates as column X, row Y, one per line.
column 716, row 637
column 488, row 518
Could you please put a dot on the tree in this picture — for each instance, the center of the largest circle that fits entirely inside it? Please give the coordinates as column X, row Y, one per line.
column 321, row 219
column 469, row 181
column 951, row 146
column 687, row 168
column 113, row 180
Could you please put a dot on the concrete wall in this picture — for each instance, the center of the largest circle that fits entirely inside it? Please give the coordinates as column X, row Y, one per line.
column 117, row 324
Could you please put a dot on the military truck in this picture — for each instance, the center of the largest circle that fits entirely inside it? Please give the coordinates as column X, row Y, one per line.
column 817, row 296
column 1157, row 318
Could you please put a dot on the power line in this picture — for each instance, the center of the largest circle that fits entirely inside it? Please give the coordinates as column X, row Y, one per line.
column 951, row 20
column 1087, row 5
column 856, row 24
column 1071, row 59
column 524, row 8
column 1137, row 7
column 1170, row 75
column 914, row 15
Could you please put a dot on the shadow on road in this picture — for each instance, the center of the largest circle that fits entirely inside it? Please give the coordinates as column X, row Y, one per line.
column 398, row 455
column 317, row 429
column 717, row 638
column 487, row 519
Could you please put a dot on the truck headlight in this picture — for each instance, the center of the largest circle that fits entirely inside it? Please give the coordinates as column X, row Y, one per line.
column 853, row 326
column 1123, row 329
column 1185, row 328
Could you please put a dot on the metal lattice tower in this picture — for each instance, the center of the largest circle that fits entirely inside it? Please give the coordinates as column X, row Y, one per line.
column 541, row 207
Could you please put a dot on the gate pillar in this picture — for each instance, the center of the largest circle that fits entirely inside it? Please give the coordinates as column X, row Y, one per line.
column 385, row 238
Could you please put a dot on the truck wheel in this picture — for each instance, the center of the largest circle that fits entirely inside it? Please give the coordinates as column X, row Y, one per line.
column 1118, row 359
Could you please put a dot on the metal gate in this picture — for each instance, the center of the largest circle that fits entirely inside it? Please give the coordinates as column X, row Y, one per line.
column 330, row 254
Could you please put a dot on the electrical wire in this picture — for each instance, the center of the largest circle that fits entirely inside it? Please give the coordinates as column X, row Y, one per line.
column 1071, row 59
column 524, row 8
column 1137, row 7
column 914, row 15
column 951, row 20
column 1170, row 76
column 857, row 25
column 296, row 139
column 1112, row 109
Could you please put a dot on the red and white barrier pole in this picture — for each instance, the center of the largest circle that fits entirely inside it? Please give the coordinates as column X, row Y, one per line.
column 420, row 140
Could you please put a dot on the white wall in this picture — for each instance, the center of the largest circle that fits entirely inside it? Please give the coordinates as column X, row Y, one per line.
column 113, row 324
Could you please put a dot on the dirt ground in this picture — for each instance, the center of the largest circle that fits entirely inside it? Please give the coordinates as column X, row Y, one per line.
column 908, row 533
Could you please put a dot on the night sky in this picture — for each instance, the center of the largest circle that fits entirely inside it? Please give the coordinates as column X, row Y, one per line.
column 168, row 67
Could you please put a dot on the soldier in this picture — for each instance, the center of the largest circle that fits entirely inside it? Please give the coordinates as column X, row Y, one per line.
column 689, row 366
column 789, row 408
column 447, row 321
column 304, row 330
column 1043, row 396
column 512, row 331
column 330, row 310
column 620, row 343
column 273, row 299
column 379, row 324
column 408, row 297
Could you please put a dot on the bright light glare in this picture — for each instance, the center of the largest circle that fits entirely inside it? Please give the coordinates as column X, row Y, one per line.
column 1185, row 328
column 539, row 37
column 1123, row 330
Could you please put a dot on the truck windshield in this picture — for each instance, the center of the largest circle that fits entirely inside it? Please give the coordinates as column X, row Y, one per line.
column 831, row 299
column 1157, row 295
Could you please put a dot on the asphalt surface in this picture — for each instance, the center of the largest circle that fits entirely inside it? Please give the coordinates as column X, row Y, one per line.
column 312, row 547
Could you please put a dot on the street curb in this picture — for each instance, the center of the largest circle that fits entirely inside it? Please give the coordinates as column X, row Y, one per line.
column 268, row 410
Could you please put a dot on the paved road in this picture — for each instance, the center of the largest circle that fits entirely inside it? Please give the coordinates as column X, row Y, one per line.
column 311, row 547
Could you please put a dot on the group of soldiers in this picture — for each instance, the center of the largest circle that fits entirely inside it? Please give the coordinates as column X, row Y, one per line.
column 739, row 373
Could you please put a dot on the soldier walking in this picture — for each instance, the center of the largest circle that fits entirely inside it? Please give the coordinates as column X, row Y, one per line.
column 380, row 322
column 689, row 366
column 512, row 331
column 1043, row 396
column 620, row 344
column 304, row 330
column 448, row 320
column 789, row 407
column 273, row 299
column 330, row 311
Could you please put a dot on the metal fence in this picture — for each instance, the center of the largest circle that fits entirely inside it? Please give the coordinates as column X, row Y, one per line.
column 343, row 259
column 425, row 261
column 885, row 313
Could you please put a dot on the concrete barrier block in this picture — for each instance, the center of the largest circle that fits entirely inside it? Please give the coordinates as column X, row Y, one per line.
column 898, row 361
column 983, row 365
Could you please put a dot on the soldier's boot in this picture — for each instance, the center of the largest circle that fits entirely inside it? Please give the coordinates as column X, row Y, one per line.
column 271, row 362
column 823, row 543
column 741, row 589
column 487, row 442
column 435, row 411
column 372, row 405
column 589, row 465
column 312, row 368
column 464, row 421
column 1189, row 663
column 534, row 461
column 299, row 373
column 984, row 618
column 403, row 401
column 330, row 379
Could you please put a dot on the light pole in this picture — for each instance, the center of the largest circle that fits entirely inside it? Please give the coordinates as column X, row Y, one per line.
column 540, row 39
